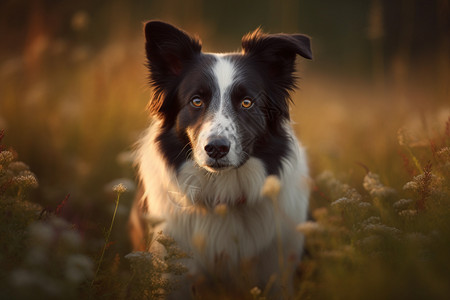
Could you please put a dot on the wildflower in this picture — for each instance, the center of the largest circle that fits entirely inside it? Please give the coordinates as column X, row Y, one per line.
column 199, row 241
column 255, row 292
column 320, row 213
column 165, row 240
column 328, row 180
column 23, row 278
column 176, row 269
column 343, row 202
column 403, row 137
column 418, row 181
column 124, row 184
column 139, row 255
column 119, row 188
column 271, row 187
column 78, row 268
column 71, row 239
column 59, row 224
column 18, row 166
column 221, row 209
column 171, row 247
column 408, row 213
column 27, row 181
column 373, row 185
column 371, row 220
column 6, row 157
column 402, row 203
column 364, row 205
column 351, row 192
column 408, row 139
column 370, row 242
column 444, row 153
column 325, row 176
column 41, row 233
column 381, row 229
column 411, row 185
column 47, row 272
column 37, row 256
column 308, row 228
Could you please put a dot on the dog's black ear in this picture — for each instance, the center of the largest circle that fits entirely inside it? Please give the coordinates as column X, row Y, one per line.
column 168, row 50
column 286, row 45
column 277, row 51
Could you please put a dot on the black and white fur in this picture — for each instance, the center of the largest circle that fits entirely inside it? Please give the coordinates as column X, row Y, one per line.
column 205, row 148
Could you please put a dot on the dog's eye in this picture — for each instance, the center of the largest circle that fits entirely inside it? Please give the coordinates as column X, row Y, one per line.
column 246, row 103
column 196, row 102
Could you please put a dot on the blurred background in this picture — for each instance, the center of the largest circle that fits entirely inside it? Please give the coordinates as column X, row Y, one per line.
column 73, row 86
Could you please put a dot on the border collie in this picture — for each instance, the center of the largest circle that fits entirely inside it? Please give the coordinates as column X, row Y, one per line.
column 220, row 127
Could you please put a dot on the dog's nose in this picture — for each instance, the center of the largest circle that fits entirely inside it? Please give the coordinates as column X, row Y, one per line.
column 217, row 147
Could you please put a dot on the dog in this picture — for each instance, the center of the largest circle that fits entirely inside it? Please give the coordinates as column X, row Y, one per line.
column 220, row 134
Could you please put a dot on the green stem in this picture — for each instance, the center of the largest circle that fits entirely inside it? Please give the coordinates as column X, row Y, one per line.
column 416, row 162
column 108, row 233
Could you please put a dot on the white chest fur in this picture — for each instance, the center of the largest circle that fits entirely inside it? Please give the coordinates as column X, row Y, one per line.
column 246, row 226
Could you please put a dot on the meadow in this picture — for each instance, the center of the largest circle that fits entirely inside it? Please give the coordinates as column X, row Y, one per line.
column 378, row 144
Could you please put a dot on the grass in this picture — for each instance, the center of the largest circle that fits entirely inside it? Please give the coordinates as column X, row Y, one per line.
column 379, row 158
column 119, row 189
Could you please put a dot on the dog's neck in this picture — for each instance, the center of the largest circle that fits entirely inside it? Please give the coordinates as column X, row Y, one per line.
column 233, row 187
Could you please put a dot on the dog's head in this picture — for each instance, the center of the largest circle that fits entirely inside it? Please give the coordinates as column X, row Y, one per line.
column 221, row 109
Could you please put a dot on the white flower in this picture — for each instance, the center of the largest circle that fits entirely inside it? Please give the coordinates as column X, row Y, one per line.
column 79, row 268
column 22, row 278
column 29, row 181
column 373, row 185
column 71, row 238
column 411, row 185
column 320, row 213
column 364, row 205
column 18, row 166
column 120, row 185
column 371, row 220
column 443, row 153
column 255, row 292
column 119, row 188
column 59, row 223
column 343, row 202
column 41, row 233
column 370, row 241
column 221, row 209
column 37, row 256
column 381, row 229
column 271, row 188
column 402, row 203
column 309, row 227
column 6, row 157
column 408, row 213
column 199, row 241
column 135, row 255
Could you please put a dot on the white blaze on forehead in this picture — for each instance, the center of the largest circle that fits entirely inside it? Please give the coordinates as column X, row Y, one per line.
column 220, row 121
column 224, row 72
